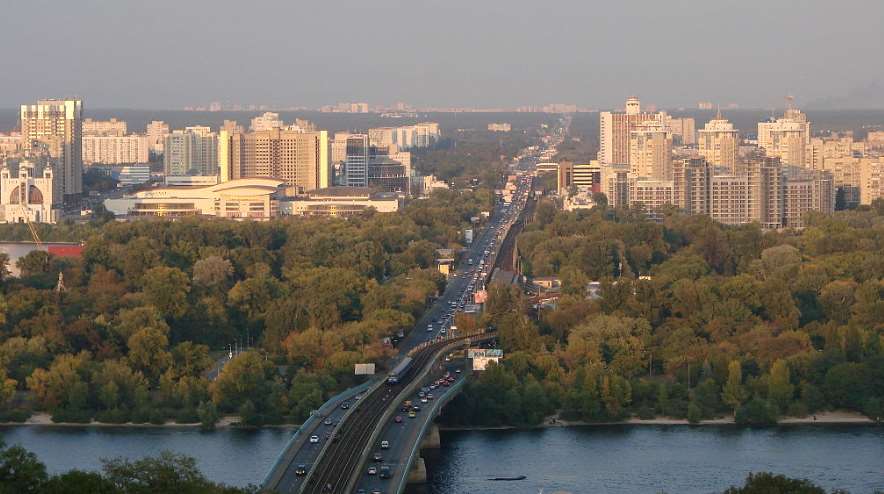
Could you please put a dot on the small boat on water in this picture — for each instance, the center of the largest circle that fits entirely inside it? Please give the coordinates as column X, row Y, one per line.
column 496, row 479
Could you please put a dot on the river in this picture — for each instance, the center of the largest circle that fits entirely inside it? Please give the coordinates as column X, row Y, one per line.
column 233, row 456
column 606, row 459
column 653, row 459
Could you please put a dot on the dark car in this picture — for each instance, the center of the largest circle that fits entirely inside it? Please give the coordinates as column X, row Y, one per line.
column 378, row 457
column 345, row 406
column 301, row 470
column 385, row 472
column 398, row 419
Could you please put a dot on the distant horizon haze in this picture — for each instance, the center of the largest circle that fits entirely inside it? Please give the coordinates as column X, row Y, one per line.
column 167, row 54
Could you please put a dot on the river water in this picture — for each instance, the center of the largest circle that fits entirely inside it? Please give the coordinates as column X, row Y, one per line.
column 606, row 459
column 235, row 457
column 653, row 459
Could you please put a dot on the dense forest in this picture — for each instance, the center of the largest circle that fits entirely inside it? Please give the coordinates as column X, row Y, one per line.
column 693, row 320
column 152, row 306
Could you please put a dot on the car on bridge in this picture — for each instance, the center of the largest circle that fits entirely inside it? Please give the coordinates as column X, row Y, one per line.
column 385, row 444
column 372, row 470
column 301, row 470
column 314, row 439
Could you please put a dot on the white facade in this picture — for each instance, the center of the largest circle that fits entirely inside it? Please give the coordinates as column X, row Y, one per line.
column 112, row 127
column 785, row 138
column 134, row 175
column 406, row 137
column 719, row 141
column 267, row 121
column 112, row 150
column 27, row 197
column 156, row 132
column 248, row 198
column 193, row 150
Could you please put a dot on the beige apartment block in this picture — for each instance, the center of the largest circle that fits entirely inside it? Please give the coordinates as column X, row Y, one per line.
column 54, row 127
column 650, row 151
column 104, row 128
column 615, row 128
column 300, row 159
column 718, row 143
column 871, row 181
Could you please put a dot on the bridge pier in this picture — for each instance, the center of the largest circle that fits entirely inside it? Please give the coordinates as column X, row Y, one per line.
column 431, row 438
column 418, row 473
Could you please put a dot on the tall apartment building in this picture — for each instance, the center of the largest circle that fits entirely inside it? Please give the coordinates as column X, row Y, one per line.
column 871, row 182
column 729, row 198
column 690, row 179
column 54, row 127
column 785, row 138
column 112, row 127
column 718, row 142
column 112, row 150
column 651, row 195
column 875, row 140
column 765, row 191
column 650, row 151
column 192, row 151
column 156, row 132
column 683, row 129
column 615, row 184
column 615, row 129
column 803, row 191
column 300, row 159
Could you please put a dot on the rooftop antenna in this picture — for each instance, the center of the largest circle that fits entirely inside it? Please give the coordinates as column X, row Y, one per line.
column 718, row 111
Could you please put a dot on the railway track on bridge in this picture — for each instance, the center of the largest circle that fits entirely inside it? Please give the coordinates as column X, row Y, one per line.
column 343, row 455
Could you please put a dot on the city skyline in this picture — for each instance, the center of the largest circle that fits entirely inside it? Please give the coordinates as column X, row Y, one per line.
column 488, row 55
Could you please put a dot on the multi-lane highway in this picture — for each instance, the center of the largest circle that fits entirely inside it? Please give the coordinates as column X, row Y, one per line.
column 342, row 425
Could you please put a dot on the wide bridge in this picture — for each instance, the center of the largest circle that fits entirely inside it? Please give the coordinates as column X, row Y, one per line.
column 368, row 439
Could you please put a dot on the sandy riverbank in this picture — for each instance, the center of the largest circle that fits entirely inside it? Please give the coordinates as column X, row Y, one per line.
column 822, row 418
column 45, row 419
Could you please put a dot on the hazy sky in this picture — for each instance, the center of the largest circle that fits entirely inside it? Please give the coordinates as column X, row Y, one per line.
column 171, row 53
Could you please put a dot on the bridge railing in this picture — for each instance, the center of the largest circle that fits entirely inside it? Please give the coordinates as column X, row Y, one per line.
column 286, row 456
column 393, row 405
column 434, row 411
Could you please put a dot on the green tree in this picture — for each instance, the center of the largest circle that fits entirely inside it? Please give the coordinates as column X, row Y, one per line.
column 779, row 386
column 208, row 415
column 166, row 289
column 768, row 483
column 20, row 471
column 733, row 393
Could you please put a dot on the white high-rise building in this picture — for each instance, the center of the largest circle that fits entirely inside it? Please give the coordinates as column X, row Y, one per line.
column 785, row 138
column 54, row 127
column 192, row 151
column 719, row 141
column 614, row 131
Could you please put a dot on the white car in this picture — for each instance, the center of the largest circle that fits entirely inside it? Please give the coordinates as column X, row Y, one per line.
column 314, row 439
